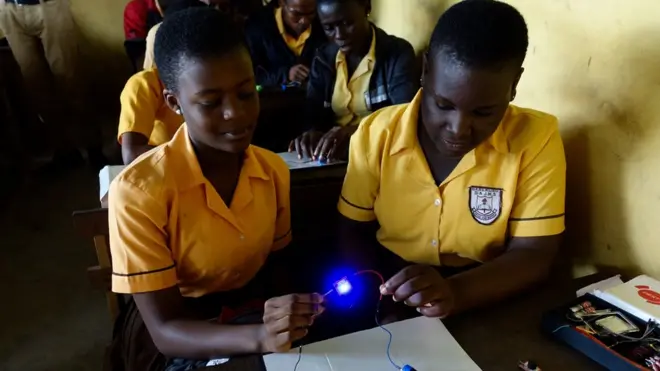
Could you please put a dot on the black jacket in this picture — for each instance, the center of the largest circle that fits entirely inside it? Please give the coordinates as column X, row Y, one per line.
column 395, row 79
column 271, row 57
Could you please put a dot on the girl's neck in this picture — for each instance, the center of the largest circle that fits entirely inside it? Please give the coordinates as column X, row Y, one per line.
column 361, row 51
column 214, row 161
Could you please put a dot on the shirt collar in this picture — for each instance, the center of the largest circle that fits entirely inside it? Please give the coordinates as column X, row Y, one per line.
column 189, row 172
column 405, row 135
column 279, row 21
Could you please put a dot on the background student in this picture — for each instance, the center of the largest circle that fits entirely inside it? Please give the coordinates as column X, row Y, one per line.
column 283, row 40
column 360, row 71
column 145, row 120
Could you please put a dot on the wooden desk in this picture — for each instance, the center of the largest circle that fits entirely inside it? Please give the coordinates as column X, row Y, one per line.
column 496, row 338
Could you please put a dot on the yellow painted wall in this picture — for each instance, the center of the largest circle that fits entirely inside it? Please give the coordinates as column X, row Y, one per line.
column 101, row 27
column 596, row 65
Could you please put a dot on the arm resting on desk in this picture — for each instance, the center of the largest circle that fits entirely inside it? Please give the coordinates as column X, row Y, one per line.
column 526, row 262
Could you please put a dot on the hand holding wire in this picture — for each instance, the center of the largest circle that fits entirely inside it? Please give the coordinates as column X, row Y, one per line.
column 422, row 287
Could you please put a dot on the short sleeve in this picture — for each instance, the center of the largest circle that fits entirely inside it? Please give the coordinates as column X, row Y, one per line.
column 361, row 184
column 283, row 222
column 141, row 259
column 149, row 61
column 139, row 103
column 538, row 208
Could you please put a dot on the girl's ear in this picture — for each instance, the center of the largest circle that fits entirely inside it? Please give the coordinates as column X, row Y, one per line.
column 171, row 101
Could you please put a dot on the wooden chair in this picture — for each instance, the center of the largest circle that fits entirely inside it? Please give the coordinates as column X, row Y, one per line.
column 93, row 224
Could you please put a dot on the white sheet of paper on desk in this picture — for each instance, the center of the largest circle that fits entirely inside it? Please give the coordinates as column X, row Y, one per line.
column 422, row 343
column 292, row 160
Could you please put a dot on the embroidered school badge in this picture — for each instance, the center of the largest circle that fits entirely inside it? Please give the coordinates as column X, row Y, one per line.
column 485, row 204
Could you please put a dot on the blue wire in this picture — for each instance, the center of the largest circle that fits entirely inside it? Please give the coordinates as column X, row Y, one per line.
column 389, row 342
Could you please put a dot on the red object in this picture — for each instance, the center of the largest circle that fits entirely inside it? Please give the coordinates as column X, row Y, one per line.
column 136, row 18
column 228, row 314
column 651, row 297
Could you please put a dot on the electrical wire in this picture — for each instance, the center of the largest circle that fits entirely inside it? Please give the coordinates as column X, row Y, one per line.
column 389, row 333
column 299, row 358
column 380, row 299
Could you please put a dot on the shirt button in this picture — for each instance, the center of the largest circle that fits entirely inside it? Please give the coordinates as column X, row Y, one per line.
column 434, row 243
column 437, row 202
column 242, row 237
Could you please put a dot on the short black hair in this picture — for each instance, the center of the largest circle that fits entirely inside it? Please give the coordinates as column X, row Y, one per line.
column 481, row 34
column 173, row 6
column 193, row 33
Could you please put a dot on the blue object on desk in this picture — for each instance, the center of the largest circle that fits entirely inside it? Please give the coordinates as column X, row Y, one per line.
column 407, row 368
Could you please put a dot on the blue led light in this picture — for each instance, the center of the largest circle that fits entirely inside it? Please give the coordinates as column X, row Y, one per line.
column 343, row 287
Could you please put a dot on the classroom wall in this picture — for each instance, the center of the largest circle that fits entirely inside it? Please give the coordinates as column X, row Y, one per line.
column 594, row 64
column 102, row 45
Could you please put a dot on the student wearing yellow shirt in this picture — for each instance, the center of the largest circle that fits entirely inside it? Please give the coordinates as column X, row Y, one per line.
column 458, row 178
column 193, row 222
column 145, row 120
column 283, row 39
column 361, row 70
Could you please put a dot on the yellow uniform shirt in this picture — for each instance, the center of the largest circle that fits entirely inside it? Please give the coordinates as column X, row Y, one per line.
column 149, row 60
column 349, row 98
column 143, row 109
column 168, row 225
column 512, row 185
column 296, row 45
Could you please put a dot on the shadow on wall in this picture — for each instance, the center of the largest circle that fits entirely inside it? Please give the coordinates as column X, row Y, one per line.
column 611, row 139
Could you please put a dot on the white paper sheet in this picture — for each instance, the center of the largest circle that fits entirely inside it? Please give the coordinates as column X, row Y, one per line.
column 600, row 285
column 292, row 160
column 422, row 343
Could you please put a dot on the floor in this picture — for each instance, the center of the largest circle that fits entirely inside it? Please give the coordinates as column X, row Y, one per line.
column 51, row 318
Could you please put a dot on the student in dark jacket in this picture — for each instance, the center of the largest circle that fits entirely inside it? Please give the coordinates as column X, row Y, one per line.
column 282, row 41
column 361, row 71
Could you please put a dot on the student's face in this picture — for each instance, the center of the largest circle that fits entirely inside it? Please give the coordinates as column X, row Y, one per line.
column 298, row 14
column 462, row 106
column 345, row 24
column 219, row 100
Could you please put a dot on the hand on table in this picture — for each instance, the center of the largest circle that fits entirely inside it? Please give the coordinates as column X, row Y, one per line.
column 331, row 143
column 421, row 286
column 287, row 318
column 298, row 73
column 305, row 143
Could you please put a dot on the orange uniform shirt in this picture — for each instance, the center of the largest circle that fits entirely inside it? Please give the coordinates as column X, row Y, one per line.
column 511, row 185
column 168, row 225
column 143, row 109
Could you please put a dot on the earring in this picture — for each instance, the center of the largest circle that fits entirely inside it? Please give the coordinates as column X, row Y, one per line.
column 178, row 111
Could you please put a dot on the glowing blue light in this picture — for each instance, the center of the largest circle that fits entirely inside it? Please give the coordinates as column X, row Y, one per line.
column 343, row 287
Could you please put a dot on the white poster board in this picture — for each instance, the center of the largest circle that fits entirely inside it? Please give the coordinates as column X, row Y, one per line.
column 422, row 343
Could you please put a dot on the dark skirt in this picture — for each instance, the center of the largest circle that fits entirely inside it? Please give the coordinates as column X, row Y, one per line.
column 133, row 349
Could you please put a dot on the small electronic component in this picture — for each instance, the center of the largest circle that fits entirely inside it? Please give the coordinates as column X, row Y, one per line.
column 616, row 325
column 343, row 286
column 407, row 368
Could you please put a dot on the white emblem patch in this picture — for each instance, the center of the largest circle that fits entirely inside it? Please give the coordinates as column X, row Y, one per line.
column 485, row 204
